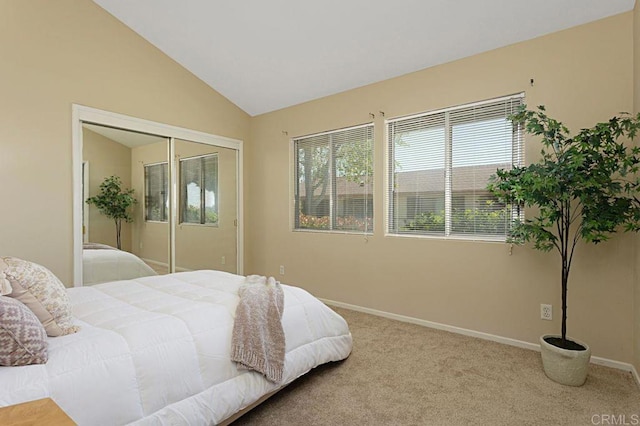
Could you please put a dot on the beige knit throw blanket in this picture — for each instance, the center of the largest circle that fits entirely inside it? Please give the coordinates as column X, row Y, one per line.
column 257, row 342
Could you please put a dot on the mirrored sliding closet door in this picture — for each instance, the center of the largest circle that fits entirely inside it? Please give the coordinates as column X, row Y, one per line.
column 206, row 222
column 151, row 201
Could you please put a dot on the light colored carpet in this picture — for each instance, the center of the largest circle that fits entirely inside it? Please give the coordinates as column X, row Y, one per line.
column 406, row 374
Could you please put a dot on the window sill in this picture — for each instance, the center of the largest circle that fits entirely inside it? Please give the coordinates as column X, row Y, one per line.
column 474, row 238
column 332, row 231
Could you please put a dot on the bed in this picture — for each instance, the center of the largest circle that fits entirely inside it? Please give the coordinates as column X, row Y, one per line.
column 156, row 351
column 102, row 263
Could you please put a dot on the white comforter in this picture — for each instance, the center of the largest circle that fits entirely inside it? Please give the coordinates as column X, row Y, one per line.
column 155, row 351
column 102, row 265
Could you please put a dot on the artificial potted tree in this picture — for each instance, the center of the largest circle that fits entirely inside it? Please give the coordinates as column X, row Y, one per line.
column 114, row 202
column 583, row 187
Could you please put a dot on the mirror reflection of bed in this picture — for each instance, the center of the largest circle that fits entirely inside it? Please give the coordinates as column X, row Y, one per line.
column 203, row 226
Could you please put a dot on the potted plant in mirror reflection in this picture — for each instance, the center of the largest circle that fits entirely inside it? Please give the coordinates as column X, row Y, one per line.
column 582, row 188
column 114, row 202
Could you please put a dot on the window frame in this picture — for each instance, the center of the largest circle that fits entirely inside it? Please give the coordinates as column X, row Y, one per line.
column 183, row 199
column 165, row 178
column 518, row 149
column 333, row 202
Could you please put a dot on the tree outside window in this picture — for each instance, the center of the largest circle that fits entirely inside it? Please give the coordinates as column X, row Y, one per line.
column 334, row 180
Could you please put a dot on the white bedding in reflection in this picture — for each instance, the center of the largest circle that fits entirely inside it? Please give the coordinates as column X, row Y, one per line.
column 99, row 266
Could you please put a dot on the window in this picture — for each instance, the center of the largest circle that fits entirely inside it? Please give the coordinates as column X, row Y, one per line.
column 156, row 200
column 199, row 190
column 334, row 180
column 439, row 166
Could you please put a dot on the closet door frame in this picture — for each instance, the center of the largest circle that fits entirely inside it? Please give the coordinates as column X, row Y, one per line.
column 82, row 114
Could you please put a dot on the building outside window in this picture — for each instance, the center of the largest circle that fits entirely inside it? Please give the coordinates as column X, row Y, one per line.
column 439, row 166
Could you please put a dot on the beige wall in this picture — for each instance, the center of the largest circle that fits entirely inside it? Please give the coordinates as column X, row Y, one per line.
column 636, row 109
column 474, row 285
column 72, row 51
column 105, row 158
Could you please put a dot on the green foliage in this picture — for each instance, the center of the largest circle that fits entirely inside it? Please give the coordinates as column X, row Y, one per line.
column 354, row 160
column 343, row 223
column 463, row 221
column 583, row 186
column 313, row 222
column 427, row 221
column 155, row 212
column 114, row 202
column 210, row 216
column 192, row 215
column 480, row 221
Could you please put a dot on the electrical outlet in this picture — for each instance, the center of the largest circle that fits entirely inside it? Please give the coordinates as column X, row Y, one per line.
column 281, row 269
column 223, row 260
column 546, row 312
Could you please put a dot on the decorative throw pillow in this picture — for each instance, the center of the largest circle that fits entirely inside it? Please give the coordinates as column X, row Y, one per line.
column 23, row 340
column 5, row 285
column 42, row 292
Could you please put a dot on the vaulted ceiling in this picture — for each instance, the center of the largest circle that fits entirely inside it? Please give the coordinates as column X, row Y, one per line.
column 265, row 55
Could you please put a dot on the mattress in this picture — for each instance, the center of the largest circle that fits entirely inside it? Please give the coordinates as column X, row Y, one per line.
column 155, row 351
column 100, row 265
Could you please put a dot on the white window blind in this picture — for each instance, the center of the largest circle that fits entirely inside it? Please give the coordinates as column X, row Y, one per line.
column 334, row 180
column 199, row 190
column 440, row 164
column 156, row 200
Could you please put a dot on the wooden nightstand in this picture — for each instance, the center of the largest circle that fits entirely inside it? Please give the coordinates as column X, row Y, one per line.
column 34, row 413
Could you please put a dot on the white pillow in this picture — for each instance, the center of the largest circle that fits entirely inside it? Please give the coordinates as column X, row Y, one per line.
column 42, row 292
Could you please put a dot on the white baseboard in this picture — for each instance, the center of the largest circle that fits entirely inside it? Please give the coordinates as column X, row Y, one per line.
column 480, row 335
column 613, row 364
column 635, row 374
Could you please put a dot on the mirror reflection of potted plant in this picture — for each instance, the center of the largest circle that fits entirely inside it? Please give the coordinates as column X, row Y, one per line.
column 114, row 202
column 583, row 188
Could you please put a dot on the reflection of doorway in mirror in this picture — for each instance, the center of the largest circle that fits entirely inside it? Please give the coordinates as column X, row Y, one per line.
column 85, row 207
